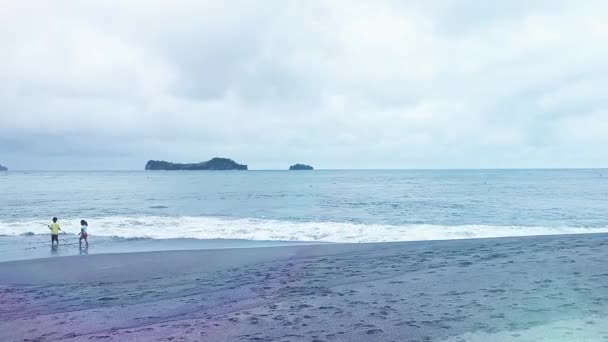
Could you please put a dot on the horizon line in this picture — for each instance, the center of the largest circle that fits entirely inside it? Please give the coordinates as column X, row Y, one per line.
column 321, row 169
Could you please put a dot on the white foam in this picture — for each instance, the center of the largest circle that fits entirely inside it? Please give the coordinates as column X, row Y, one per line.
column 158, row 227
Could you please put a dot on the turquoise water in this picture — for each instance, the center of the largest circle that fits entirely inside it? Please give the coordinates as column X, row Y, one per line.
column 330, row 206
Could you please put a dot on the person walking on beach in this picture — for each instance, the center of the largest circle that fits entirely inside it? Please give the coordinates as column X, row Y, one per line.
column 83, row 233
column 55, row 229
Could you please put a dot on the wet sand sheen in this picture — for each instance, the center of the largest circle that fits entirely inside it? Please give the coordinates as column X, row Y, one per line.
column 494, row 289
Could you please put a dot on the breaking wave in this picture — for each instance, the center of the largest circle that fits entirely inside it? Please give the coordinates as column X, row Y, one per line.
column 158, row 227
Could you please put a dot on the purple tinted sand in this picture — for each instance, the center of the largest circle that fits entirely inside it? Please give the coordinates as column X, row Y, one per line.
column 382, row 292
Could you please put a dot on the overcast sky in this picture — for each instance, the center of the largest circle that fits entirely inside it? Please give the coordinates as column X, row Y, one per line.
column 337, row 84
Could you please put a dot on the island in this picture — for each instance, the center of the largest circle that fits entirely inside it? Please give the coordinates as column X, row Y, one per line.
column 3, row 168
column 299, row 167
column 219, row 164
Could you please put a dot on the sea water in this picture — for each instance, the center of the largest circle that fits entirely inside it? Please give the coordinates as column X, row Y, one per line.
column 314, row 206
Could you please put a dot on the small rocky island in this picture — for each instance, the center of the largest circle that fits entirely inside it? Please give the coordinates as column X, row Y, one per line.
column 219, row 164
column 299, row 167
column 3, row 168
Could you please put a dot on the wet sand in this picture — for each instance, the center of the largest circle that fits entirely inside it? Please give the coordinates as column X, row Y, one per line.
column 510, row 289
column 26, row 247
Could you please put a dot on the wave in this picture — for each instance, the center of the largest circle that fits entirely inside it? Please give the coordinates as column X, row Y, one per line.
column 158, row 227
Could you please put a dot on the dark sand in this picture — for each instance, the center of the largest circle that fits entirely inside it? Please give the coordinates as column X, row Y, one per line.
column 524, row 289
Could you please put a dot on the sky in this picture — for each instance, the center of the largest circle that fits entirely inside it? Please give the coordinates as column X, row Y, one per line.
column 335, row 84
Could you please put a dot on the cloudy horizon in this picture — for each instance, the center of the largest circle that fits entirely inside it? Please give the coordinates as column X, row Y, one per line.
column 335, row 84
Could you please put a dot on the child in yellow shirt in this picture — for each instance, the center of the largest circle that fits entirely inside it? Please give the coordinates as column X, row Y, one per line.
column 55, row 229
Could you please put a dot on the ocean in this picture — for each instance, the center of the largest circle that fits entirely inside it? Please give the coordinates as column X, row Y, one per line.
column 347, row 206
column 327, row 206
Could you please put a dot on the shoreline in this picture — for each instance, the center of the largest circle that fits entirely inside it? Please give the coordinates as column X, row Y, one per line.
column 37, row 246
column 27, row 247
column 461, row 290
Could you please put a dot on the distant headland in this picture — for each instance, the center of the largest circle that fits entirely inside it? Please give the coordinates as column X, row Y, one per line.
column 300, row 167
column 219, row 164
column 3, row 168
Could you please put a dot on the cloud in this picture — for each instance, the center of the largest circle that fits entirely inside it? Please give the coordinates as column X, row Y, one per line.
column 337, row 84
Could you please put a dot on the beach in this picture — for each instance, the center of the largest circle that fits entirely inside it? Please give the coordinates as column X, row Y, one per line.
column 341, row 255
column 548, row 288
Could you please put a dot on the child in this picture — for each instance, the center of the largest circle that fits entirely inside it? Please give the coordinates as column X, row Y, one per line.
column 83, row 233
column 54, row 231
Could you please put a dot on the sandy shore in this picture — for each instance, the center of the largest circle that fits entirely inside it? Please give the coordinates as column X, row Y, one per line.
column 38, row 246
column 525, row 289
